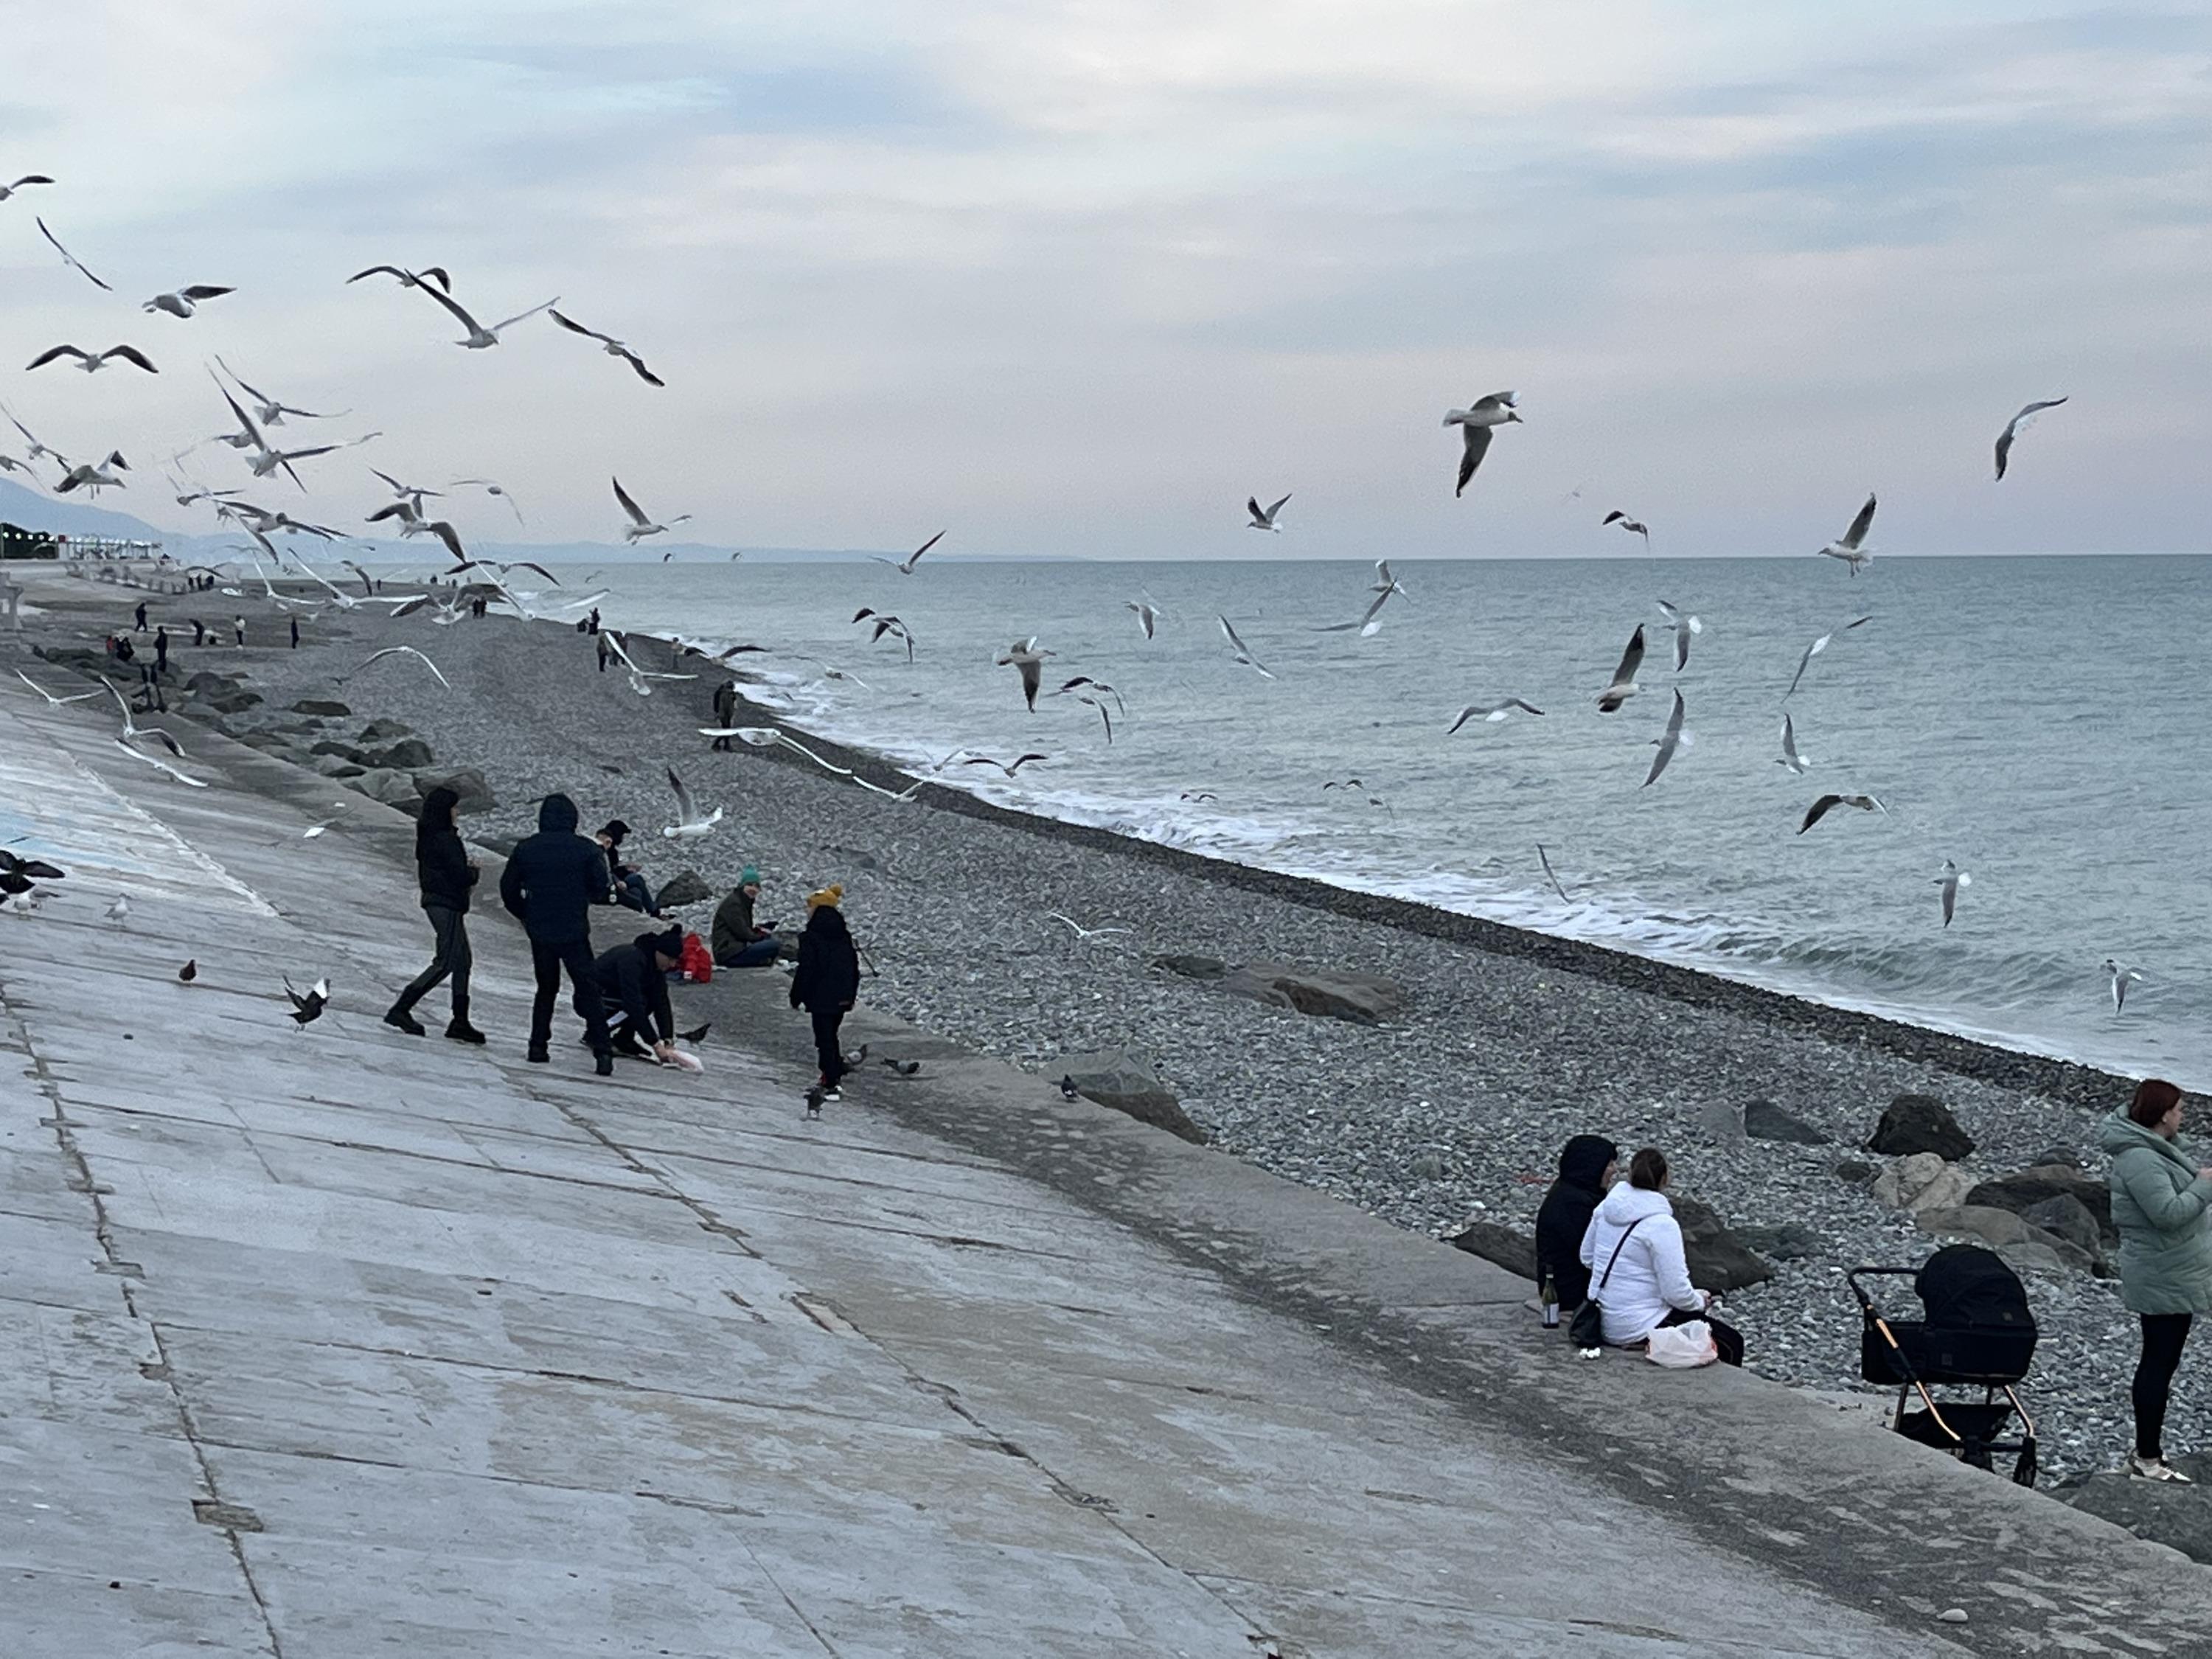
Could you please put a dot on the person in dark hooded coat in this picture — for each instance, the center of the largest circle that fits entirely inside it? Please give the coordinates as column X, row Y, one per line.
column 551, row 881
column 828, row 980
column 633, row 978
column 1586, row 1170
column 443, row 867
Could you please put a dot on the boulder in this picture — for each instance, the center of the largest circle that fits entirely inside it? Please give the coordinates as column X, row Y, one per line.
column 1721, row 1122
column 2063, row 1155
column 684, row 887
column 2068, row 1218
column 1792, row 1241
column 1921, row 1181
column 207, row 682
column 1854, row 1170
column 269, row 743
column 2178, row 1516
column 232, row 702
column 383, row 784
column 1507, row 1246
column 468, row 783
column 408, row 755
column 1194, row 966
column 2022, row 1242
column 1765, row 1120
column 322, row 706
column 385, row 732
column 337, row 766
column 1920, row 1123
column 343, row 750
column 2045, row 1180
column 1115, row 1079
column 1361, row 998
column 1718, row 1260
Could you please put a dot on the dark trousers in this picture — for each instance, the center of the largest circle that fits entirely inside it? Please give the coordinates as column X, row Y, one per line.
column 832, row 1057
column 632, row 894
column 2163, row 1336
column 761, row 951
column 547, row 961
column 1726, row 1338
column 453, row 956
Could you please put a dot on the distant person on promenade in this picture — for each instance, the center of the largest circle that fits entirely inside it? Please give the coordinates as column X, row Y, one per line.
column 827, row 982
column 594, row 619
column 633, row 979
column 1634, row 1231
column 603, row 652
column 445, row 875
column 1587, row 1166
column 295, row 632
column 552, row 880
column 725, row 711
column 738, row 940
column 630, row 890
column 199, row 632
column 237, row 625
column 161, row 650
column 141, row 616
column 2160, row 1188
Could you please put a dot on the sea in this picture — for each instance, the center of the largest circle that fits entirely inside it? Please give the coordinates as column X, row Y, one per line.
column 2027, row 718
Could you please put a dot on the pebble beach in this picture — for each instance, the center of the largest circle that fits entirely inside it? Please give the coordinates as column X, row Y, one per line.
column 1451, row 1113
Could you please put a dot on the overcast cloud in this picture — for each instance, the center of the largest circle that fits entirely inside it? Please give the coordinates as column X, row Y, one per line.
column 1076, row 278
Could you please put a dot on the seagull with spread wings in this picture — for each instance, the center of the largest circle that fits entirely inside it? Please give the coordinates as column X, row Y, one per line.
column 57, row 702
column 1624, row 678
column 905, row 567
column 69, row 258
column 1633, row 526
column 1492, row 712
column 1685, row 627
column 2018, row 425
column 184, row 301
column 6, row 191
column 1263, row 517
column 1820, row 808
column 479, row 337
column 1816, row 648
column 491, row 488
column 640, row 526
column 610, row 346
column 407, row 278
column 272, row 410
column 1674, row 738
column 1796, row 764
column 1477, row 422
column 1849, row 546
column 1243, row 652
column 402, row 651
column 92, row 361
column 691, row 822
column 1024, row 656
column 886, row 624
column 1148, row 614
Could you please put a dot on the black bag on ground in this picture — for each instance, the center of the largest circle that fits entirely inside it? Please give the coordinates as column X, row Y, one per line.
column 1587, row 1328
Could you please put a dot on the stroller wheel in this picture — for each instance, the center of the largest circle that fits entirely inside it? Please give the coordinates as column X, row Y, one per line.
column 2025, row 1467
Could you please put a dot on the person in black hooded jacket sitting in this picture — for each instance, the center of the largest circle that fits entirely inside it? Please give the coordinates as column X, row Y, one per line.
column 1587, row 1165
column 551, row 881
column 634, row 978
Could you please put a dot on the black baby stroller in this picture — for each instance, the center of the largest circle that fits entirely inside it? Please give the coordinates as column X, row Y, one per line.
column 1977, row 1334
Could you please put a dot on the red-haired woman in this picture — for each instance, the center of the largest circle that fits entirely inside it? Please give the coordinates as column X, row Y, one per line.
column 2160, row 1194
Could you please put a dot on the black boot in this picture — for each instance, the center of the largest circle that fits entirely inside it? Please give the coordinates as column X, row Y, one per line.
column 461, row 1031
column 400, row 1019
column 537, row 1056
column 602, row 1063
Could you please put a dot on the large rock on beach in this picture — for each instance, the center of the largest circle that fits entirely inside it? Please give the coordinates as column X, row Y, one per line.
column 2166, row 1512
column 408, row 755
column 335, row 766
column 684, row 887
column 206, row 681
column 2067, row 1217
column 232, row 702
column 1721, row 1122
column 468, row 783
column 2021, row 1242
column 392, row 788
column 1920, row 1123
column 1194, row 966
column 1789, row 1241
column 1718, row 1260
column 377, row 731
column 1765, row 1120
column 1921, row 1181
column 2018, row 1193
column 1361, row 998
column 322, row 706
column 1119, row 1080
column 1507, row 1246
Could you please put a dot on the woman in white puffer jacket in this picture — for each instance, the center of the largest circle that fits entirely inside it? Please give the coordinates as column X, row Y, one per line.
column 1650, row 1285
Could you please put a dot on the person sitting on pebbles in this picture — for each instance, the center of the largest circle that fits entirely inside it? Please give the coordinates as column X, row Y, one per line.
column 1638, row 1275
column 630, row 891
column 739, row 941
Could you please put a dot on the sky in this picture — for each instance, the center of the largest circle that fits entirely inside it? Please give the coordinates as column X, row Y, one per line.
column 1074, row 279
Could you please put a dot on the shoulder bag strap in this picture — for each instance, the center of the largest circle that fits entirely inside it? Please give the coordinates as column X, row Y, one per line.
column 1615, row 1256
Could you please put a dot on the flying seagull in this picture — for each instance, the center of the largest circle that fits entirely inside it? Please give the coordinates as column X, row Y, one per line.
column 499, row 490
column 1848, row 547
column 479, row 336
column 93, row 362
column 184, row 301
column 160, row 765
column 412, row 523
column 691, row 822
column 1083, row 933
column 905, row 567
column 272, row 410
column 1624, row 678
column 1686, row 626
column 69, row 258
column 1789, row 757
column 57, row 701
column 1022, row 654
column 640, row 526
column 1673, row 737
column 1148, row 615
column 91, row 479
column 2013, row 428
column 1820, row 808
column 613, row 347
column 1492, row 712
column 1544, row 859
column 2121, row 979
column 886, row 624
column 405, row 651
column 407, row 278
column 1477, row 422
column 1816, row 648
column 6, row 191
column 1097, row 689
column 1263, row 517
column 1008, row 766
column 1632, row 526
column 1243, row 652
column 1951, row 881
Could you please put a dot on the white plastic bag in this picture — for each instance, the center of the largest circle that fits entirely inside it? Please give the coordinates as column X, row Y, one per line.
column 1683, row 1347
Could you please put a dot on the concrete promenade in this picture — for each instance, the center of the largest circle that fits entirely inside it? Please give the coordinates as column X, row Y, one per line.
column 343, row 1343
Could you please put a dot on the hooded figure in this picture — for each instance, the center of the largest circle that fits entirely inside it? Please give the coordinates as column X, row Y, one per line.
column 444, row 872
column 725, row 710
column 634, row 978
column 827, row 982
column 552, row 880
column 1585, row 1165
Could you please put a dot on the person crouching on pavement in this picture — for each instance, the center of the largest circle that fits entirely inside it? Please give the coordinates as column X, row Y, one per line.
column 827, row 981
column 634, row 979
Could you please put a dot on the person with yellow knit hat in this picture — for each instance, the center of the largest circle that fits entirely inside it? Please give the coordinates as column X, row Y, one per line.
column 827, row 981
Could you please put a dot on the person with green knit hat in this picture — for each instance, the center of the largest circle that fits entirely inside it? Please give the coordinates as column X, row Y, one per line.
column 737, row 940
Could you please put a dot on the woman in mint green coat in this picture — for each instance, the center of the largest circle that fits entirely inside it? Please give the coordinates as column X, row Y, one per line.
column 2159, row 1196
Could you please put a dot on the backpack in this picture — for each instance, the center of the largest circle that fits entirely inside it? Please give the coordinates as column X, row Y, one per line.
column 697, row 963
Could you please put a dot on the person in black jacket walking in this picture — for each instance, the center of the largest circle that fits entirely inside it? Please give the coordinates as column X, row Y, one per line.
column 551, row 881
column 827, row 981
column 634, row 978
column 441, row 863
